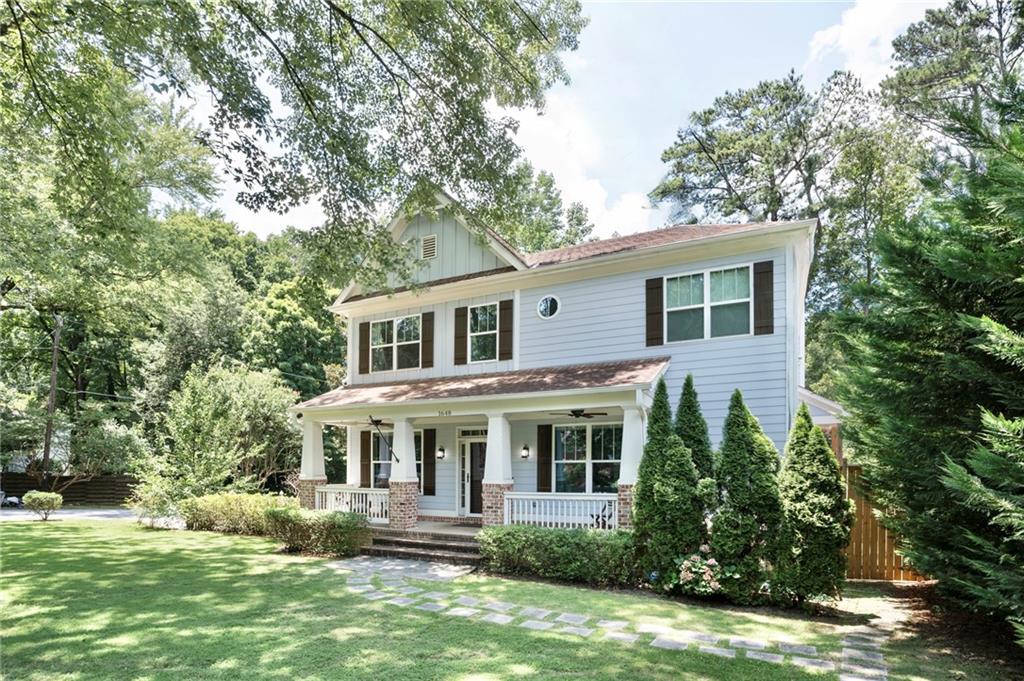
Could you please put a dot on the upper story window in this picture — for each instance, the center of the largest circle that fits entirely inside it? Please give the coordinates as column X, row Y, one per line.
column 483, row 332
column 708, row 304
column 381, row 458
column 547, row 307
column 395, row 344
column 587, row 458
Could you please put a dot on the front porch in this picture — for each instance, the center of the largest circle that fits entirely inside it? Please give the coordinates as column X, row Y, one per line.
column 427, row 452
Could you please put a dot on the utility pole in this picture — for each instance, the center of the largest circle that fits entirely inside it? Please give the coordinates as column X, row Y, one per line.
column 51, row 403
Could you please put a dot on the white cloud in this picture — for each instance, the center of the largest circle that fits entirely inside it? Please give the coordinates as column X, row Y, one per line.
column 863, row 37
column 564, row 142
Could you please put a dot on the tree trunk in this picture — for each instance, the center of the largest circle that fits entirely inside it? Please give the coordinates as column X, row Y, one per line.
column 51, row 402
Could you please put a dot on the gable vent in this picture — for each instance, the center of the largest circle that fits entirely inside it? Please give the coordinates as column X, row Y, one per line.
column 428, row 247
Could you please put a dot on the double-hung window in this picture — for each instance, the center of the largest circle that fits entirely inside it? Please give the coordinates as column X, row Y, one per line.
column 380, row 450
column 708, row 304
column 587, row 458
column 483, row 332
column 395, row 344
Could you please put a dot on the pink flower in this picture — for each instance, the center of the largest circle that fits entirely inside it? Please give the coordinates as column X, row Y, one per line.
column 712, row 562
column 704, row 548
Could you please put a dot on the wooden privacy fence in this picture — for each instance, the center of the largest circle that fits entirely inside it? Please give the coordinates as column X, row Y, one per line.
column 102, row 490
column 872, row 550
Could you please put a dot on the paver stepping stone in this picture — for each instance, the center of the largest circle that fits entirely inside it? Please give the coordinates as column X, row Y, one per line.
column 698, row 636
column 435, row 596
column 537, row 624
column 467, row 600
column 669, row 643
column 774, row 658
column 855, row 654
column 797, row 649
column 360, row 588
column 748, row 643
column 359, row 579
column 497, row 618
column 571, row 618
column 402, row 601
column 500, row 606
column 866, row 671
column 721, row 652
column 612, row 624
column 392, row 585
column 375, row 595
column 431, row 607
column 408, row 590
column 812, row 663
column 535, row 613
column 577, row 631
column 857, row 641
column 660, row 629
column 854, row 677
column 621, row 636
column 461, row 612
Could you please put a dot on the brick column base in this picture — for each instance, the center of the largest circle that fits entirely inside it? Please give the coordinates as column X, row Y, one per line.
column 306, row 488
column 494, row 502
column 403, row 504
column 625, row 506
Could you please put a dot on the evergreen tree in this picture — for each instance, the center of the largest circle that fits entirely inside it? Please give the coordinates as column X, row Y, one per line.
column 817, row 516
column 692, row 429
column 667, row 513
column 746, row 528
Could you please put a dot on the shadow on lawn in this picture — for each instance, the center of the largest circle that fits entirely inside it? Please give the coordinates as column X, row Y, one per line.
column 110, row 600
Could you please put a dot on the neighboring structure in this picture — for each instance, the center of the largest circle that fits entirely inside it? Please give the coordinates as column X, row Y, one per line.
column 513, row 388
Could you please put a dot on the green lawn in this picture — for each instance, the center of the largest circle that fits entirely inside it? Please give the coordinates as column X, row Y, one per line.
column 111, row 600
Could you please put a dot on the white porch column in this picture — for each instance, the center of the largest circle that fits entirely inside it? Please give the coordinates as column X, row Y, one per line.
column 497, row 469
column 311, row 469
column 632, row 451
column 404, row 445
column 352, row 454
column 403, row 485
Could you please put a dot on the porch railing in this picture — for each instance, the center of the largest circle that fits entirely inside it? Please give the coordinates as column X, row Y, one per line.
column 592, row 511
column 373, row 503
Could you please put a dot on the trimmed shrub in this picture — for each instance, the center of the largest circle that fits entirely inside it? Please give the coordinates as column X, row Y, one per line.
column 232, row 513
column 596, row 557
column 335, row 533
column 42, row 503
column 692, row 429
column 817, row 517
column 744, row 536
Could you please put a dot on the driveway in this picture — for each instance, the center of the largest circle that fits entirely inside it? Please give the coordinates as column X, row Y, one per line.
column 72, row 513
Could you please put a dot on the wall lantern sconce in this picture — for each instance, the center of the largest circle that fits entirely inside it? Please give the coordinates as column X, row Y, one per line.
column 440, row 453
column 526, row 452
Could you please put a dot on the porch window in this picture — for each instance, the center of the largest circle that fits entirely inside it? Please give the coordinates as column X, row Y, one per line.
column 708, row 304
column 587, row 458
column 381, row 458
column 483, row 332
column 395, row 344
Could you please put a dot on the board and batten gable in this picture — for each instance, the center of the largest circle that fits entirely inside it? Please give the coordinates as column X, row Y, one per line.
column 459, row 250
column 603, row 319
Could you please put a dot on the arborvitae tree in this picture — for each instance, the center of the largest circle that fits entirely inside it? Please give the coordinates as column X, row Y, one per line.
column 692, row 429
column 745, row 533
column 668, row 516
column 817, row 516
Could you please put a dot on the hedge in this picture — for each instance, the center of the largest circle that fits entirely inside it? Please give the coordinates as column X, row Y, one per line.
column 333, row 533
column 597, row 557
column 231, row 512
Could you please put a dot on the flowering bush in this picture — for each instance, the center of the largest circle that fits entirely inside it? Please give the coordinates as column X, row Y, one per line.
column 700, row 574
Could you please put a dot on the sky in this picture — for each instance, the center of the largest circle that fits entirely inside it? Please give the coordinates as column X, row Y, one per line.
column 642, row 68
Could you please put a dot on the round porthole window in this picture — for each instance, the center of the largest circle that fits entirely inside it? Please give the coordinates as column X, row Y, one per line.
column 548, row 307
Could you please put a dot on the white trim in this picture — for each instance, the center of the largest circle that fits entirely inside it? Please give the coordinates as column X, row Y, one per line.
column 706, row 303
column 467, row 483
column 516, row 319
column 558, row 306
column 394, row 344
column 587, row 462
column 470, row 333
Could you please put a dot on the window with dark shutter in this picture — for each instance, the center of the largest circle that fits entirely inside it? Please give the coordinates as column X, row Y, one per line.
column 460, row 335
column 427, row 340
column 544, row 458
column 655, row 308
column 365, row 455
column 364, row 348
column 506, row 320
column 429, row 462
column 764, row 298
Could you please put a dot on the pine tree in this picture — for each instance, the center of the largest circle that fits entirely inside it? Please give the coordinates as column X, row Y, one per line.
column 668, row 516
column 817, row 516
column 692, row 429
column 746, row 528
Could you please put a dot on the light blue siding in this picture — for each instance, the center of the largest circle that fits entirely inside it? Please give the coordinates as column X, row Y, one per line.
column 459, row 251
column 444, row 475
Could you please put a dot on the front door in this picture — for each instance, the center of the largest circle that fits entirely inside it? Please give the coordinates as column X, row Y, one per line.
column 473, row 457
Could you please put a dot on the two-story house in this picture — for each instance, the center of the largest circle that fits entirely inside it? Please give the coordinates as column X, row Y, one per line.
column 514, row 387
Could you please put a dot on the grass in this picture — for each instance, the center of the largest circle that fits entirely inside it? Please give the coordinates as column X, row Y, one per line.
column 111, row 600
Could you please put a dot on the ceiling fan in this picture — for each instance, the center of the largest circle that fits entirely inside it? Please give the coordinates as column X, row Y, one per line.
column 579, row 413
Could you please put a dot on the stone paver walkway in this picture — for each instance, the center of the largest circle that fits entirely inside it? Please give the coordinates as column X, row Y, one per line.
column 861, row 658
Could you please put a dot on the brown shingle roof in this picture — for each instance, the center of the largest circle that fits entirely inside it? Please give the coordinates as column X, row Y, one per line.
column 620, row 374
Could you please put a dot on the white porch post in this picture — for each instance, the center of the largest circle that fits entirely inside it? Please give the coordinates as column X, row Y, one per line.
column 497, row 469
column 632, row 451
column 311, row 470
column 403, row 484
column 352, row 455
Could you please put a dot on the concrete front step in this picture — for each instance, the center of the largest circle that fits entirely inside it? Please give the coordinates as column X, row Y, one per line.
column 427, row 554
column 446, row 544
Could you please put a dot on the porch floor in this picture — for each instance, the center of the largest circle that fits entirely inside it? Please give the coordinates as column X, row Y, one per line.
column 442, row 527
